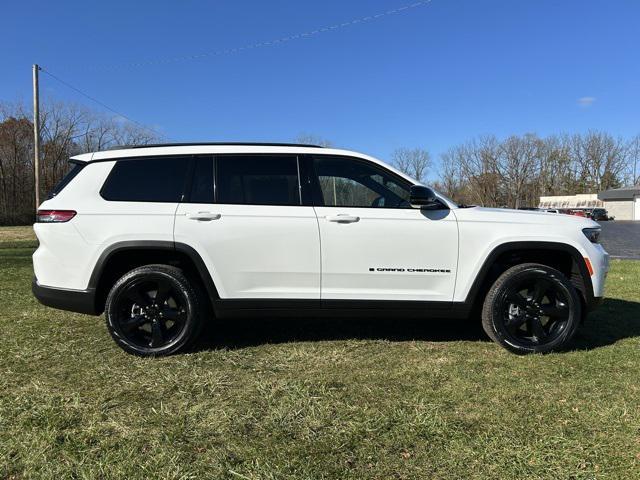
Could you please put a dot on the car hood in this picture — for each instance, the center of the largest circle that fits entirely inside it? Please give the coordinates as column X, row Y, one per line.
column 529, row 217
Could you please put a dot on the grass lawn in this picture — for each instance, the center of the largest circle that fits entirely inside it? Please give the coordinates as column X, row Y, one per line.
column 314, row 399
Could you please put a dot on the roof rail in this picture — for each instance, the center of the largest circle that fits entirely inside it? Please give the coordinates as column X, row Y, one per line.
column 188, row 144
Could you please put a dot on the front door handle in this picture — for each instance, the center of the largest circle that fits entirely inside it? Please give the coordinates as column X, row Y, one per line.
column 203, row 216
column 343, row 218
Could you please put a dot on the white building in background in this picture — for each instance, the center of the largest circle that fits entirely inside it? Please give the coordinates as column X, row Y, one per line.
column 621, row 203
column 581, row 200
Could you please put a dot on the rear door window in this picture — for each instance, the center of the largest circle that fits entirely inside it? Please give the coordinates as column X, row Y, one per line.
column 152, row 179
column 257, row 179
column 202, row 183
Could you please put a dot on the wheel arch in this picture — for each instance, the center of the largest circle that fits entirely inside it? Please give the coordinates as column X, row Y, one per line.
column 121, row 257
column 561, row 256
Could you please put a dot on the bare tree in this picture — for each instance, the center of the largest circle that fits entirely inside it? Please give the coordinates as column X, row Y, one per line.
column 633, row 149
column 479, row 168
column 600, row 160
column 67, row 130
column 518, row 161
column 312, row 139
column 451, row 180
column 518, row 170
column 16, row 164
column 415, row 162
column 555, row 166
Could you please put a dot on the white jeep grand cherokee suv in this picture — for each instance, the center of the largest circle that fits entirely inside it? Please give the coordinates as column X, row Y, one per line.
column 165, row 238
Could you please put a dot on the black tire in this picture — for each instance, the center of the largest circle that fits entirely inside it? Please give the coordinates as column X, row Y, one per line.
column 143, row 326
column 531, row 308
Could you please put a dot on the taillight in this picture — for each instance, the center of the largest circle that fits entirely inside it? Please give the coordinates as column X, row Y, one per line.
column 54, row 216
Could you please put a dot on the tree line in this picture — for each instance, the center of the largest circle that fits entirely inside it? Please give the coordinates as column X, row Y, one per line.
column 487, row 171
column 518, row 170
column 66, row 130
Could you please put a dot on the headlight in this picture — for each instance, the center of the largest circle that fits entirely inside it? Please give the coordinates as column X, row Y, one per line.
column 593, row 234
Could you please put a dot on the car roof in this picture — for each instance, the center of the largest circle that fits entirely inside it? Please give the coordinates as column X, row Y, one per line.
column 195, row 148
column 188, row 144
column 212, row 148
column 226, row 148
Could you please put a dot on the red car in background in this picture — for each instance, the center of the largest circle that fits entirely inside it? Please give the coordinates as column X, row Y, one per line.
column 578, row 213
column 571, row 211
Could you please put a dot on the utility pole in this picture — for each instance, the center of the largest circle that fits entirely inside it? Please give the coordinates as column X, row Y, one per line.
column 36, row 134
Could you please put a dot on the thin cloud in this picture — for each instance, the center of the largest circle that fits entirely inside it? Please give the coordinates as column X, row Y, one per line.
column 586, row 102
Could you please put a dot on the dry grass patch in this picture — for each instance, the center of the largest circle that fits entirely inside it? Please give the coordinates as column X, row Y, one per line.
column 23, row 236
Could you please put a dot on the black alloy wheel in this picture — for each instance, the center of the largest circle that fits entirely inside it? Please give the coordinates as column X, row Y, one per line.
column 151, row 313
column 532, row 308
column 154, row 310
column 536, row 311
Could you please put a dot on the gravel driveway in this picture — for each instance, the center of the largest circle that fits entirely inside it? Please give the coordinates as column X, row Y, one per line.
column 621, row 239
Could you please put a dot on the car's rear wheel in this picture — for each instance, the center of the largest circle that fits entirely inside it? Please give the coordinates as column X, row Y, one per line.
column 154, row 310
column 531, row 308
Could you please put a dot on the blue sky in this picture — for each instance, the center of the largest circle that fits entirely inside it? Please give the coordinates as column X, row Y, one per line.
column 431, row 76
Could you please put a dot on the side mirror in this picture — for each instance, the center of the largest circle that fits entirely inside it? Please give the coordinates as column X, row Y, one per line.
column 423, row 197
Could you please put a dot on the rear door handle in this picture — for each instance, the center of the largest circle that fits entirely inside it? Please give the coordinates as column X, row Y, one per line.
column 343, row 218
column 203, row 216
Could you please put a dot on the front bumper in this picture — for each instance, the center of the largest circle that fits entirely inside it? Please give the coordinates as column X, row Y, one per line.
column 599, row 259
column 81, row 301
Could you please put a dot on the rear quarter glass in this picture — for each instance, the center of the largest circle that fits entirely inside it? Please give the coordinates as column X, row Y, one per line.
column 151, row 179
column 76, row 168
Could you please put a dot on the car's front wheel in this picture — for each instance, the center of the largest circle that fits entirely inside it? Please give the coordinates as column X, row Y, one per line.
column 531, row 308
column 154, row 310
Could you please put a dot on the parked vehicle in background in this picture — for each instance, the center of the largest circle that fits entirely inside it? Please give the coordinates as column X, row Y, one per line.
column 600, row 215
column 578, row 213
column 539, row 209
column 164, row 239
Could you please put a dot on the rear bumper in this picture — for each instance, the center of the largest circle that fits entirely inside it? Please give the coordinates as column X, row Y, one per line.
column 81, row 301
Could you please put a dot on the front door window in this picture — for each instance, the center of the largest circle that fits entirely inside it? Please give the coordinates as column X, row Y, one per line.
column 346, row 182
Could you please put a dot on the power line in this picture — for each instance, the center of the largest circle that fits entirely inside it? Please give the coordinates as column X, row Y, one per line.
column 270, row 43
column 104, row 105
